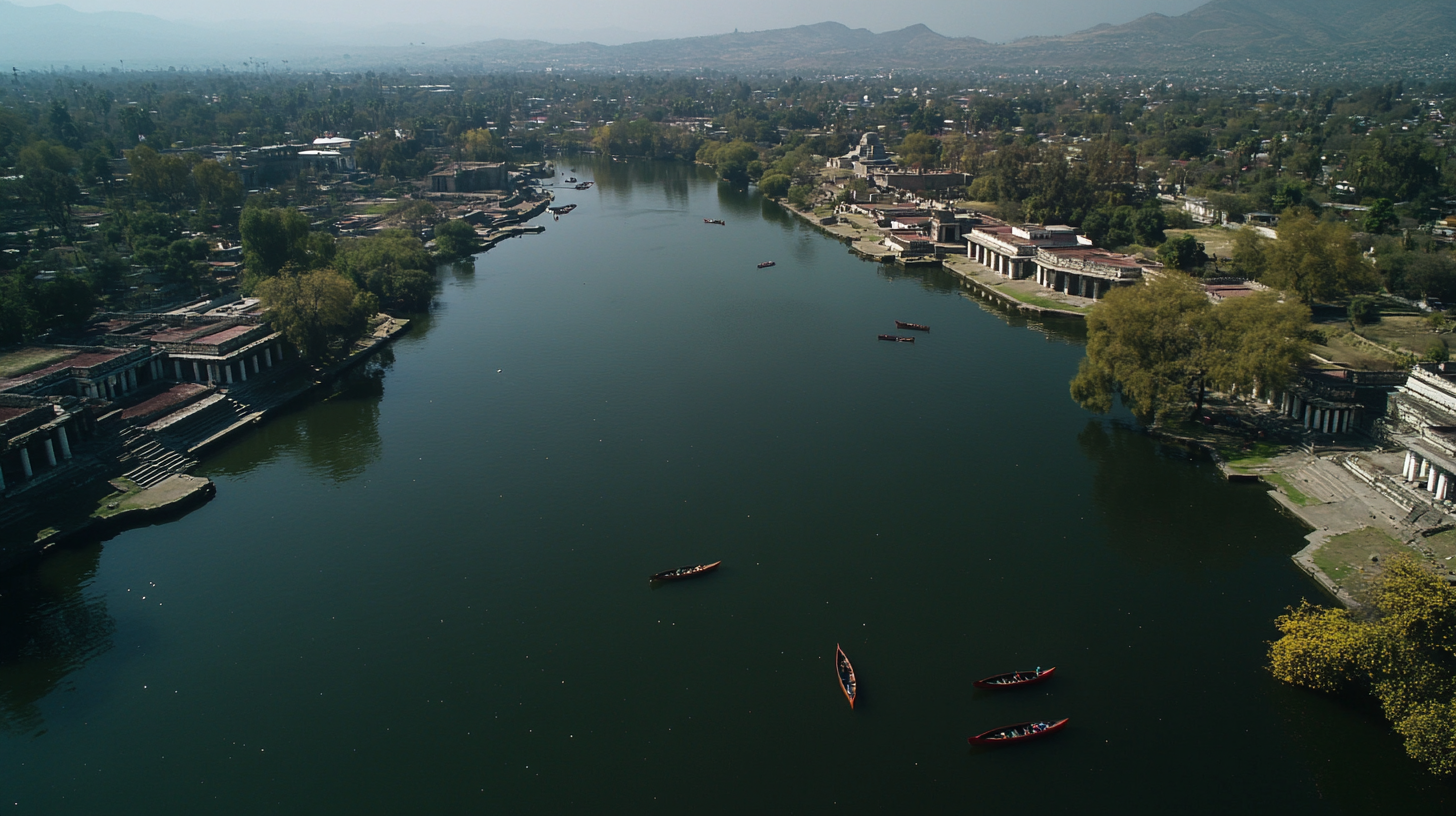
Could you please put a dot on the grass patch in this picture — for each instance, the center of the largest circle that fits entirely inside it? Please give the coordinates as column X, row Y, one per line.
column 1044, row 302
column 1289, row 490
column 127, row 489
column 1253, row 455
column 1346, row 557
column 27, row 360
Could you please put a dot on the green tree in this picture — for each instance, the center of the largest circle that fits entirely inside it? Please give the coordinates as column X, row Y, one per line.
column 456, row 239
column 393, row 265
column 49, row 182
column 1315, row 260
column 1380, row 218
column 1161, row 347
column 920, row 151
column 799, row 195
column 320, row 311
column 1182, row 252
column 275, row 237
column 774, row 185
column 1404, row 655
column 1248, row 255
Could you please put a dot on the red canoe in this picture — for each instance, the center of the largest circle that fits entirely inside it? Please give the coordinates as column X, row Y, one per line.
column 845, row 672
column 900, row 324
column 1018, row 732
column 1016, row 678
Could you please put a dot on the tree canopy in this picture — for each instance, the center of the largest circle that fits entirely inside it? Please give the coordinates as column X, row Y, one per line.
column 1160, row 347
column 1316, row 260
column 320, row 311
column 1405, row 656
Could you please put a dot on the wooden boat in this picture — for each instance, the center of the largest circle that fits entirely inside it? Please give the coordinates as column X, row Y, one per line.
column 715, row 221
column 1016, row 678
column 585, row 185
column 900, row 324
column 1018, row 732
column 895, row 338
column 767, row 264
column 845, row 672
column 562, row 210
column 684, row 572
column 571, row 180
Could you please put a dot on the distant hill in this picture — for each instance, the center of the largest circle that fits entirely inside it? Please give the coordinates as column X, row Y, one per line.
column 1257, row 37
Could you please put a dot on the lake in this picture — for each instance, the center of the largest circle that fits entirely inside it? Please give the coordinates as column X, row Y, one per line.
column 426, row 590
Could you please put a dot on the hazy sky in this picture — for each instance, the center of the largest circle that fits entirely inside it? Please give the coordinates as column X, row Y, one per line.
column 627, row 20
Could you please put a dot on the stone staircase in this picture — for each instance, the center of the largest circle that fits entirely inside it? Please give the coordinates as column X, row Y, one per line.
column 154, row 460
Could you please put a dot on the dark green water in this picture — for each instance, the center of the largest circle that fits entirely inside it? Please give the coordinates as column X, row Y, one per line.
column 427, row 593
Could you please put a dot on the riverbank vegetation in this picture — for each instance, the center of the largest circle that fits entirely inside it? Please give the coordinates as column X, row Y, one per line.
column 1160, row 348
column 1404, row 655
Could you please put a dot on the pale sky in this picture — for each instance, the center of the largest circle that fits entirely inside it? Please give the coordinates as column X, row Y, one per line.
column 447, row 22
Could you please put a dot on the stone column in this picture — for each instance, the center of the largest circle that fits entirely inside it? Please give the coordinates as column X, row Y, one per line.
column 50, row 450
column 1431, row 479
column 177, row 369
column 65, row 442
column 1308, row 410
column 268, row 356
column 227, row 370
column 1441, row 484
column 255, row 363
column 131, row 375
column 1425, row 466
column 25, row 463
column 1409, row 462
column 243, row 369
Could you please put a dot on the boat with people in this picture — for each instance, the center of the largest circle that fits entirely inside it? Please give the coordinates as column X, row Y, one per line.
column 684, row 572
column 571, row 180
column 845, row 673
column 767, row 264
column 585, row 185
column 715, row 221
column 1016, row 678
column 562, row 210
column 1018, row 732
column 895, row 338
column 900, row 324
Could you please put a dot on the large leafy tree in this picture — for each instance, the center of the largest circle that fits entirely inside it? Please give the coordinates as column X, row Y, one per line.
column 1316, row 260
column 392, row 265
column 320, row 311
column 273, row 238
column 1161, row 347
column 1405, row 656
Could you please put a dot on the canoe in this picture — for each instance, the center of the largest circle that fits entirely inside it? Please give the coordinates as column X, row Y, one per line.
column 684, row 572
column 562, row 210
column 900, row 324
column 767, row 264
column 1018, row 732
column 1016, row 678
column 895, row 338
column 845, row 673
column 715, row 221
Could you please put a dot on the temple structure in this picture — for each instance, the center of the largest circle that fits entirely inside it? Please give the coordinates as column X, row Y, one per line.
column 1056, row 256
column 1422, row 416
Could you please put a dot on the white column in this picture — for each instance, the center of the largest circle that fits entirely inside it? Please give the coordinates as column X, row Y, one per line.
column 196, row 372
column 1441, row 485
column 177, row 369
column 1308, row 409
column 50, row 450
column 1349, row 419
column 1425, row 466
column 131, row 375
column 1431, row 480
column 65, row 442
column 243, row 369
column 268, row 356
column 25, row 463
column 227, row 371
column 255, row 363
column 1410, row 461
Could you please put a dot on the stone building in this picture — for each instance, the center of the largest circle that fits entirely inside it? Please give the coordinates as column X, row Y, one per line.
column 1056, row 256
column 469, row 177
column 869, row 156
column 1422, row 419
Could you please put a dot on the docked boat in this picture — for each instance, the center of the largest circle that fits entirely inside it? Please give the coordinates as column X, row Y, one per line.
column 767, row 264
column 1016, row 678
column 895, row 338
column 845, row 672
column 1018, row 732
column 562, row 210
column 715, row 221
column 900, row 324
column 684, row 572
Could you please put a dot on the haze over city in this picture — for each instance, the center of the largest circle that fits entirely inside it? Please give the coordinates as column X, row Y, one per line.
column 449, row 22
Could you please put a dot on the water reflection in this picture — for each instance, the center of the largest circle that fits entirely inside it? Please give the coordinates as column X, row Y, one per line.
column 49, row 628
column 1151, row 500
column 337, row 440
column 1059, row 329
